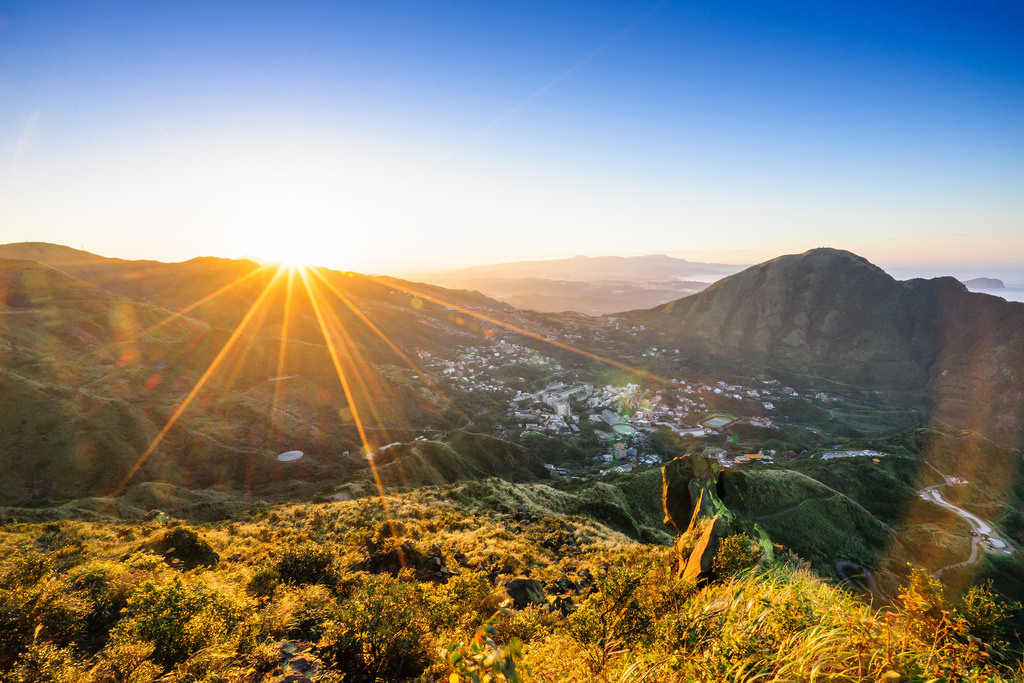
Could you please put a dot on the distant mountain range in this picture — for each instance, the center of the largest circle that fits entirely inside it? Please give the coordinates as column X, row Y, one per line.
column 590, row 285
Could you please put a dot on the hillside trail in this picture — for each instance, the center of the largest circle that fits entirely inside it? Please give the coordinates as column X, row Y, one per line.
column 794, row 507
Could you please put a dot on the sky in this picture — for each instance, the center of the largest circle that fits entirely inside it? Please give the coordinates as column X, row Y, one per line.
column 383, row 136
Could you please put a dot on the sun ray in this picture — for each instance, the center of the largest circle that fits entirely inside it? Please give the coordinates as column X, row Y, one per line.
column 357, row 362
column 346, row 388
column 206, row 299
column 376, row 330
column 519, row 330
column 236, row 333
column 285, row 321
column 169, row 318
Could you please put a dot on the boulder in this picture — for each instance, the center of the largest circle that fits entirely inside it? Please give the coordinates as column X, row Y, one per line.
column 687, row 481
column 525, row 592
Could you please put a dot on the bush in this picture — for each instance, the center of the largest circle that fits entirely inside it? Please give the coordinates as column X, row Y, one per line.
column 379, row 632
column 735, row 553
column 464, row 601
column 308, row 563
column 37, row 604
column 127, row 663
column 613, row 617
column 45, row 663
column 984, row 614
column 183, row 548
column 314, row 610
column 263, row 582
column 178, row 617
column 924, row 602
column 105, row 588
column 483, row 660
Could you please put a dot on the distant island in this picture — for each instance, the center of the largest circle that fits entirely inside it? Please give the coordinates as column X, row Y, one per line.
column 984, row 283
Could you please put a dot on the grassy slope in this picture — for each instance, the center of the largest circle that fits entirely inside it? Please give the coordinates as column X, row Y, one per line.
column 91, row 586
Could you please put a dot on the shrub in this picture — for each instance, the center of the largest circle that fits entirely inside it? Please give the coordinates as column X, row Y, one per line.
column 183, row 548
column 735, row 553
column 483, row 660
column 527, row 625
column 127, row 663
column 35, row 603
column 313, row 612
column 308, row 563
column 924, row 604
column 178, row 617
column 984, row 614
column 379, row 632
column 612, row 617
column 105, row 588
column 46, row 663
column 465, row 600
column 263, row 582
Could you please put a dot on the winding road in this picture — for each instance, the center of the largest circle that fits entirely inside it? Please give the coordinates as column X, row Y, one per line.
column 983, row 531
column 983, row 534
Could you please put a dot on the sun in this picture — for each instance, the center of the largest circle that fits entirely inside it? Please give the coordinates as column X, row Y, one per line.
column 294, row 235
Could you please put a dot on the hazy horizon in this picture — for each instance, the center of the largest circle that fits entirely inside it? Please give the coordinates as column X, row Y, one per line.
column 1012, row 278
column 394, row 136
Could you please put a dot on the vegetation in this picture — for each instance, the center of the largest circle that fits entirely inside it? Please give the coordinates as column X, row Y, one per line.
column 342, row 591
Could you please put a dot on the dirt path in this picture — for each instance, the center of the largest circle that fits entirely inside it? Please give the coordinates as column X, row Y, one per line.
column 790, row 509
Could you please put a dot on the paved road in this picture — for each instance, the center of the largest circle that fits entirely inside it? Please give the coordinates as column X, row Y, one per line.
column 979, row 525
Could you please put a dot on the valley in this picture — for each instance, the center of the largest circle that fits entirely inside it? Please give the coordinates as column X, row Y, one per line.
column 135, row 390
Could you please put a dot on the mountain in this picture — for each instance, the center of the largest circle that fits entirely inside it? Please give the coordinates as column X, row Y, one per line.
column 832, row 315
column 590, row 297
column 199, row 373
column 648, row 268
column 589, row 285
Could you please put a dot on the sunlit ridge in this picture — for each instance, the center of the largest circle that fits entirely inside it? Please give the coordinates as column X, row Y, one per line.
column 336, row 338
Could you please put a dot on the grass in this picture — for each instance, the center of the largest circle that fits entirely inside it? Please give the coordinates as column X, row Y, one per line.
column 81, row 600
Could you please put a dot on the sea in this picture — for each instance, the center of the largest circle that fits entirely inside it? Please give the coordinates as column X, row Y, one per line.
column 1012, row 278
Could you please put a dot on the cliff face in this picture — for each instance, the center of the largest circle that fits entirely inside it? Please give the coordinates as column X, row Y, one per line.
column 832, row 314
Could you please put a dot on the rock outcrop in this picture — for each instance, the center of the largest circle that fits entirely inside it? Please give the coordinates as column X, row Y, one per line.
column 699, row 565
column 688, row 489
column 689, row 497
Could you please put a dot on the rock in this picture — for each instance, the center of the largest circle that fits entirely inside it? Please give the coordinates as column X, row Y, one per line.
column 525, row 592
column 385, row 556
column 304, row 665
column 699, row 566
column 683, row 480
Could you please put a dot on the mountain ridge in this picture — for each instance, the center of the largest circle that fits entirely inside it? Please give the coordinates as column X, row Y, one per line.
column 831, row 313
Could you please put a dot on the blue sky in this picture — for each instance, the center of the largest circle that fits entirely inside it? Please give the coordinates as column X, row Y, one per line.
column 387, row 135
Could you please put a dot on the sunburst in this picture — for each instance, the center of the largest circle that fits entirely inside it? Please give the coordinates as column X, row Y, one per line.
column 346, row 360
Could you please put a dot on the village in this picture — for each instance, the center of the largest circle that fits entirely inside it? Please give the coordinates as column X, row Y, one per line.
column 614, row 422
